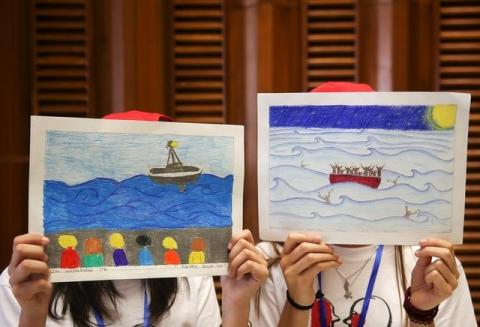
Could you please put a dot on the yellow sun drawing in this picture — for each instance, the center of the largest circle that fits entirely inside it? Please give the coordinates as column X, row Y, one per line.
column 443, row 116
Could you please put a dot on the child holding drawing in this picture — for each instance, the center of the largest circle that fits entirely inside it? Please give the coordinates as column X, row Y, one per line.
column 312, row 283
column 29, row 299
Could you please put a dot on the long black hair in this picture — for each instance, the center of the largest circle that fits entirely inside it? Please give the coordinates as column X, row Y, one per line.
column 80, row 298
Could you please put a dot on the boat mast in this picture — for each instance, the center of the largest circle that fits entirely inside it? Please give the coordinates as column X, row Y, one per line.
column 173, row 159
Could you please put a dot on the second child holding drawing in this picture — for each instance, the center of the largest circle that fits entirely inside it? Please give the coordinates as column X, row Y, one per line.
column 312, row 283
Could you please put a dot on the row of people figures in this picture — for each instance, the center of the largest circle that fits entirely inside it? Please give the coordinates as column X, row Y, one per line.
column 358, row 171
column 93, row 255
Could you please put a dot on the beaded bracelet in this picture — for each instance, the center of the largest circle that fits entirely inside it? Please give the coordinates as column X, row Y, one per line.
column 298, row 306
column 421, row 317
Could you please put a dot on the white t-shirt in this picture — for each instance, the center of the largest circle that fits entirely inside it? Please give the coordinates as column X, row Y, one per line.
column 195, row 304
column 385, row 304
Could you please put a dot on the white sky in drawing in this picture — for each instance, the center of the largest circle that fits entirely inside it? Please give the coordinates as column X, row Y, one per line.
column 76, row 157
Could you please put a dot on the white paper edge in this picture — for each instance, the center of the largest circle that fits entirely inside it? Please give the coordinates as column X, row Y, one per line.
column 462, row 100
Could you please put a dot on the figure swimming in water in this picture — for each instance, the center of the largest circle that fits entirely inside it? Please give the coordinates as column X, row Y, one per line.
column 409, row 213
column 326, row 198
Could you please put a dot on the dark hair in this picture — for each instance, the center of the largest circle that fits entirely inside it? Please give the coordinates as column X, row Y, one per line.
column 81, row 297
column 143, row 240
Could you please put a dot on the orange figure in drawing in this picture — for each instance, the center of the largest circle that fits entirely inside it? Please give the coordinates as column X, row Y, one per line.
column 171, row 256
column 69, row 257
column 197, row 255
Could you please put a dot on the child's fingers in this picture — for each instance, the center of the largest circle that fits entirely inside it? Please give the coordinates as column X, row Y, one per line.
column 444, row 254
column 308, row 261
column 315, row 269
column 23, row 251
column 239, row 247
column 258, row 271
column 441, row 287
column 244, row 234
column 446, row 273
column 26, row 268
column 304, row 248
column 244, row 256
column 437, row 243
column 30, row 239
column 294, row 239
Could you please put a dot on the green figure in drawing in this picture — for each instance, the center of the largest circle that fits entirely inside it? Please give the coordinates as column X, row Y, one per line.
column 171, row 256
column 93, row 250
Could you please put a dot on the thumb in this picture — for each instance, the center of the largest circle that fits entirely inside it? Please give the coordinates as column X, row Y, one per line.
column 418, row 272
column 424, row 261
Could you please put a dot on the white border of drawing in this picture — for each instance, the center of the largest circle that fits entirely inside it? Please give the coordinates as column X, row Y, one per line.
column 462, row 100
column 39, row 127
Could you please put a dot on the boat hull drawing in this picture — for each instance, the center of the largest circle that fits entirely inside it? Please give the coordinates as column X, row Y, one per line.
column 369, row 181
column 187, row 174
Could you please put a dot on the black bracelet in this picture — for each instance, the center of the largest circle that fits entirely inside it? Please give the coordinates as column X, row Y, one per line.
column 298, row 306
column 422, row 317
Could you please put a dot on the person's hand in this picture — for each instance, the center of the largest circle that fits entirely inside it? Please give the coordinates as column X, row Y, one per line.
column 29, row 273
column 433, row 282
column 303, row 257
column 247, row 270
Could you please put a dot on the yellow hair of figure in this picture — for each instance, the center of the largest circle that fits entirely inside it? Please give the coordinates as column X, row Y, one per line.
column 116, row 241
column 67, row 241
column 169, row 243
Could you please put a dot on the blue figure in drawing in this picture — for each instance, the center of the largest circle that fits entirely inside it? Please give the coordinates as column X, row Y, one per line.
column 144, row 255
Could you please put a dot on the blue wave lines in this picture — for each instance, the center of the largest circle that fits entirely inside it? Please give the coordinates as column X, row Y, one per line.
column 416, row 181
column 137, row 203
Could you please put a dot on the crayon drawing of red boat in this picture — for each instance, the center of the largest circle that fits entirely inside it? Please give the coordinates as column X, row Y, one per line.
column 366, row 175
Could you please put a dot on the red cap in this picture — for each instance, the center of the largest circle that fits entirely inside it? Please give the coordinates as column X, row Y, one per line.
column 138, row 115
column 343, row 87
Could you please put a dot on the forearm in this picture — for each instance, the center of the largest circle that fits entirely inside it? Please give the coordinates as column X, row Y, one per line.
column 31, row 321
column 293, row 317
column 234, row 315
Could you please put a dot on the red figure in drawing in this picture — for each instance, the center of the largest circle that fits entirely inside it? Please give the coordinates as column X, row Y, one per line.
column 69, row 257
column 171, row 256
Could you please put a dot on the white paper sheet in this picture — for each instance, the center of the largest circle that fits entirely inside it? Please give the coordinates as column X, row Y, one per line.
column 363, row 168
column 133, row 199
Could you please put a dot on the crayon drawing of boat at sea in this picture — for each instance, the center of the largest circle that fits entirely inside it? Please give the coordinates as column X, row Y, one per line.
column 174, row 172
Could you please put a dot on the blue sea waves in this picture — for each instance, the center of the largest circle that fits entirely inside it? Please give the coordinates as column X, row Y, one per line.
column 137, row 203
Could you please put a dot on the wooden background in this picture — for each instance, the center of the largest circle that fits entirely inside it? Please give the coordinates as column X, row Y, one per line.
column 205, row 60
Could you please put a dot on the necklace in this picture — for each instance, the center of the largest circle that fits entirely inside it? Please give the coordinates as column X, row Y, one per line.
column 347, row 284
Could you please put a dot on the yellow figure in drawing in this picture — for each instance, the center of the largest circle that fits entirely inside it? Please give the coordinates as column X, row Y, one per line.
column 197, row 255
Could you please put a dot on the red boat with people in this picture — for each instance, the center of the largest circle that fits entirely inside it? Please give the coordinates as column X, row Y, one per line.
column 366, row 175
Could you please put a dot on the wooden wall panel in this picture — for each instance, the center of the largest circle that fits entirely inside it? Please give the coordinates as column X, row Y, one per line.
column 330, row 41
column 198, row 60
column 458, row 69
column 14, row 116
column 62, row 43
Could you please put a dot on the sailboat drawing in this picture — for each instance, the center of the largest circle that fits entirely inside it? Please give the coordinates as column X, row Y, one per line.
column 174, row 172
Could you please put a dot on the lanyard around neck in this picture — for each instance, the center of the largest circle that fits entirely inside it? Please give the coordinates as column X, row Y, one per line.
column 146, row 313
column 368, row 293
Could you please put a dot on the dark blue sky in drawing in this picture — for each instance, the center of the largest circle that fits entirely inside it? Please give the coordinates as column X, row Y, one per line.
column 352, row 117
